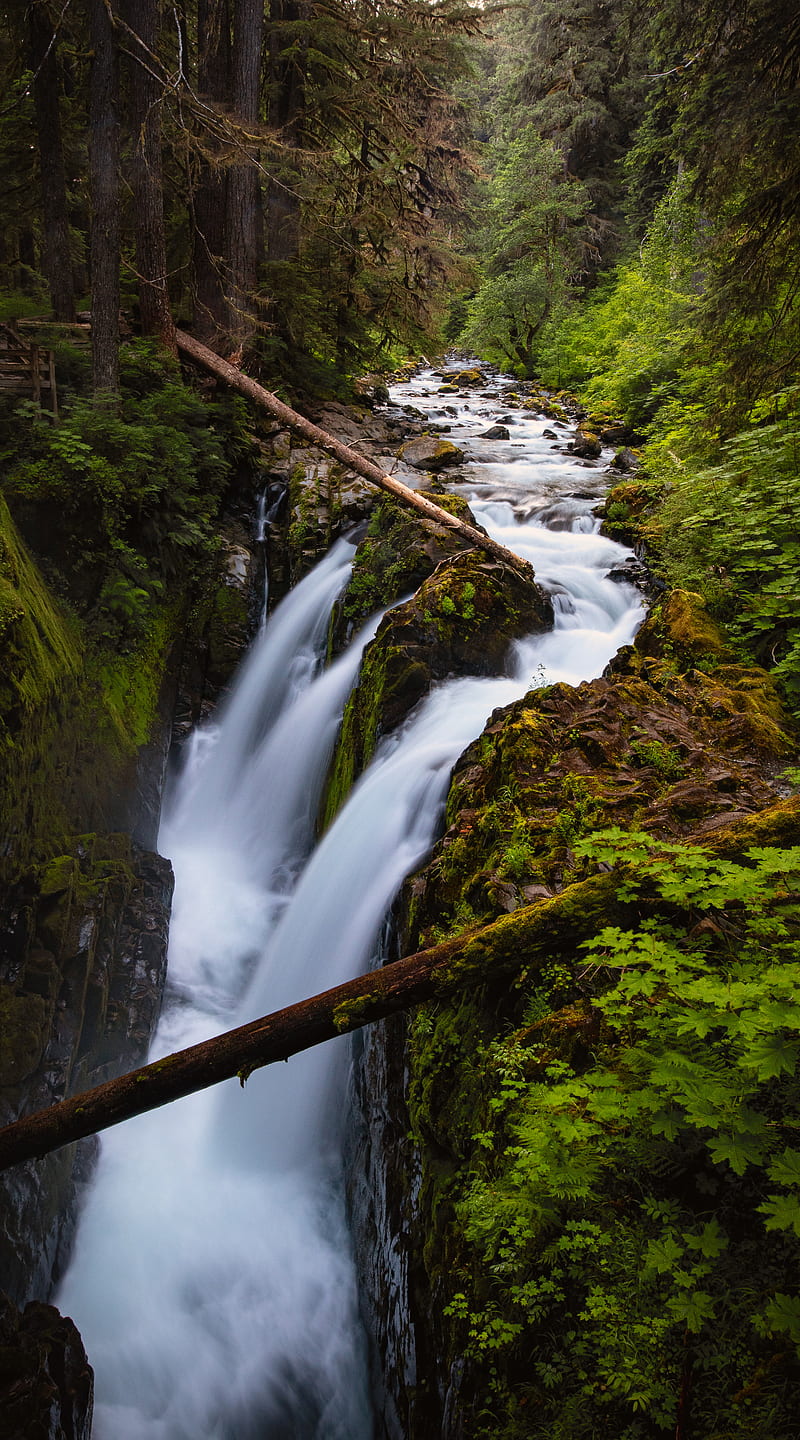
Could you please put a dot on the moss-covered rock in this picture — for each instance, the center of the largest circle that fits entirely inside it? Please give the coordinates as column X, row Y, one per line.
column 628, row 504
column 461, row 621
column 428, row 452
column 74, row 717
column 656, row 745
column 398, row 552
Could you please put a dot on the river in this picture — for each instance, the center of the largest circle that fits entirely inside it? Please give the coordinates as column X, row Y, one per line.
column 212, row 1278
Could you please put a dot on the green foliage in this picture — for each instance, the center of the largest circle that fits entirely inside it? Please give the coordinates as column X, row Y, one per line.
column 637, row 1212
column 580, row 806
column 664, row 758
column 530, row 245
column 133, row 491
column 627, row 345
column 730, row 530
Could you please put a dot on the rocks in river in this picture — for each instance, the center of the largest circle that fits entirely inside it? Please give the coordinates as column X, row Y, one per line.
column 371, row 390
column 614, row 434
column 549, row 435
column 430, row 453
column 634, row 572
column 399, row 551
column 586, row 445
column 495, row 432
column 46, row 1381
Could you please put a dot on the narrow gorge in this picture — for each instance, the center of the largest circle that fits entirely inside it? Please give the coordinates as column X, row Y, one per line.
column 292, row 1258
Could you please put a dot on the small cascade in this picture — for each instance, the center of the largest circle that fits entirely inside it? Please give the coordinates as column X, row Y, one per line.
column 213, row 1281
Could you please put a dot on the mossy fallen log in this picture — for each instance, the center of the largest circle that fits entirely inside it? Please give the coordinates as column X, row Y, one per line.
column 532, row 935
column 229, row 375
column 535, row 932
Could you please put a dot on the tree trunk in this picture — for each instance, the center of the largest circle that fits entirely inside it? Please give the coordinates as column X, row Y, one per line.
column 287, row 83
column 530, row 936
column 56, row 259
column 145, row 94
column 104, row 182
column 244, row 210
column 209, row 201
column 351, row 458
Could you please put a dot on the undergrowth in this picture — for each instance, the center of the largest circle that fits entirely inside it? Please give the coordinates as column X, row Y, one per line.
column 633, row 1211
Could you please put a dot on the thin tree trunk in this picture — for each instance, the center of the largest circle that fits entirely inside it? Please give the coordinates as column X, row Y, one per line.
column 351, row 458
column 287, row 84
column 104, row 182
column 56, row 259
column 244, row 209
column 532, row 934
column 144, row 110
column 209, row 201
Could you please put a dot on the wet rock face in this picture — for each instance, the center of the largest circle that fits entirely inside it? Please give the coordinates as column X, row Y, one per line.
column 324, row 500
column 379, row 1165
column 80, row 993
column 46, row 1382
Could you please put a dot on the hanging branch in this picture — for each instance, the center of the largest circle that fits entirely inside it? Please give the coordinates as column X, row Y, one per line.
column 229, row 375
column 530, row 935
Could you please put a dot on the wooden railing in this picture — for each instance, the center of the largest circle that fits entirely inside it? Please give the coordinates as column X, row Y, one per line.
column 27, row 368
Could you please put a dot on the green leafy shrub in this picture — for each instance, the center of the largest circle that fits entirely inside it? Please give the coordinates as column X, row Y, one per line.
column 629, row 344
column 730, row 530
column 116, row 500
column 635, row 1221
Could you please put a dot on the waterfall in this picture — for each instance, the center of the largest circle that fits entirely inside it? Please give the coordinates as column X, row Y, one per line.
column 212, row 1279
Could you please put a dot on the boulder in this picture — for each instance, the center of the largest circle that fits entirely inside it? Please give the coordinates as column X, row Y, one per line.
column 461, row 621
column 625, row 461
column 371, row 390
column 585, row 445
column 495, row 432
column 428, row 452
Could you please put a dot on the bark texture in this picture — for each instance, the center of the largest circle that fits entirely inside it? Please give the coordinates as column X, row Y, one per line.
column 57, row 260
column 209, row 200
column 244, row 207
column 144, row 111
column 104, row 181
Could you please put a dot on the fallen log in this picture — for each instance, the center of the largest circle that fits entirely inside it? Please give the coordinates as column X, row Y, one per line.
column 229, row 375
column 533, row 933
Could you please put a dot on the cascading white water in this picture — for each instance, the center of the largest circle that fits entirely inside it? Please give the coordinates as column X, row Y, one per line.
column 212, row 1280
